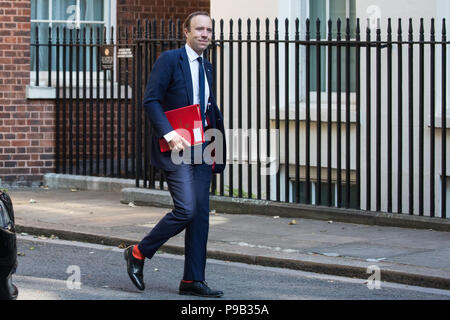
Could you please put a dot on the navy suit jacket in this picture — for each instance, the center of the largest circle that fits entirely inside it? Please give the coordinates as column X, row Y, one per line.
column 170, row 87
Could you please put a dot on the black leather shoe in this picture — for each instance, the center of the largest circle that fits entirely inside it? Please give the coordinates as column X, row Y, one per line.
column 199, row 288
column 134, row 268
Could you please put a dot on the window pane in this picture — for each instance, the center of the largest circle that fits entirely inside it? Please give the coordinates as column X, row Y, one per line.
column 91, row 10
column 324, row 194
column 318, row 10
column 353, row 199
column 43, row 50
column 39, row 9
column 338, row 9
column 302, row 187
column 64, row 9
column 70, row 36
column 323, row 66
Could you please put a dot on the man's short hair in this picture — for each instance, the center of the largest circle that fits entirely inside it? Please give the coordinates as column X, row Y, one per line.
column 187, row 22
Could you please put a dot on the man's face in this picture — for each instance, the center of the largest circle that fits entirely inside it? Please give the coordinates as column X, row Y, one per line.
column 199, row 36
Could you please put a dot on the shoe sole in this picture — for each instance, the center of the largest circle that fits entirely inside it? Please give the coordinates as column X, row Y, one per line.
column 184, row 293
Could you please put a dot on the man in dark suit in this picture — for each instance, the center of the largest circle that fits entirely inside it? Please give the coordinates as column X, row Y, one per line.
column 179, row 78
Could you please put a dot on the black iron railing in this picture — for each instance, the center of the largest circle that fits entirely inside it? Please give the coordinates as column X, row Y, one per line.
column 347, row 120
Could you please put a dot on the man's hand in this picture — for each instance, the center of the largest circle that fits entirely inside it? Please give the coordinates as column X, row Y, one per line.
column 178, row 143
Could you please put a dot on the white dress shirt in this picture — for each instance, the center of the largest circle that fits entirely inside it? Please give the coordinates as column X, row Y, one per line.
column 193, row 63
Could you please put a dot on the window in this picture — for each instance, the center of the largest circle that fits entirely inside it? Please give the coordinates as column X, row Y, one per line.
column 76, row 16
column 326, row 10
column 324, row 194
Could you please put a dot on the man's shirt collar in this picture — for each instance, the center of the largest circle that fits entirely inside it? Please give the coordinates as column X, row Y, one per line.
column 192, row 55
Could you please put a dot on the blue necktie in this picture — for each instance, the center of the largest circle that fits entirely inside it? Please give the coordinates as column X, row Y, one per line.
column 201, row 75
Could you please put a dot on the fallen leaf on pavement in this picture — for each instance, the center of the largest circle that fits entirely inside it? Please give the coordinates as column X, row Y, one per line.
column 122, row 245
column 293, row 222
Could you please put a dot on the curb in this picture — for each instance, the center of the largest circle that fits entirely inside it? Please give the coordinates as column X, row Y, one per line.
column 68, row 181
column 308, row 266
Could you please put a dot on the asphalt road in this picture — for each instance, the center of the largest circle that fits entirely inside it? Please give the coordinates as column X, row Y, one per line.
column 52, row 269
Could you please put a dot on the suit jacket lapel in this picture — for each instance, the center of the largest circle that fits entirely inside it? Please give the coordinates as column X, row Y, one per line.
column 184, row 62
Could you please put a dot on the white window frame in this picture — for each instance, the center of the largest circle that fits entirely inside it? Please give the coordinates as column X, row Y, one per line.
column 109, row 20
column 293, row 9
column 324, row 95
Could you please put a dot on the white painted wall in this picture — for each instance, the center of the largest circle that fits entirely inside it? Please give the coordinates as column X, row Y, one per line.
column 234, row 9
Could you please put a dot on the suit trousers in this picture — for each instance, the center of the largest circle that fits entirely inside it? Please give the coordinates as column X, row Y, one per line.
column 189, row 187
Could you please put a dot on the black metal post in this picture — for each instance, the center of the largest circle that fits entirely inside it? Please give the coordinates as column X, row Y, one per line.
column 57, row 106
column 444, row 123
column 389, row 118
column 358, row 115
column 400, row 120
column 338, row 117
column 347, row 115
column 411, row 117
column 318, row 115
column 368, row 120
column 329, row 113
column 230, row 110
column 421, row 113
column 432, row 117
column 308, row 112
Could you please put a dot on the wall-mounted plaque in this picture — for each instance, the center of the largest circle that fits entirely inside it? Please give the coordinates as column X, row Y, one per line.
column 124, row 53
column 107, row 57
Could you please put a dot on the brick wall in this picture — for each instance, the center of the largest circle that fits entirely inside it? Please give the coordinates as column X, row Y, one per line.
column 129, row 11
column 26, row 127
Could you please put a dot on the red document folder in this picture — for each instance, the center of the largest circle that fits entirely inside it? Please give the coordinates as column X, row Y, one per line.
column 187, row 122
